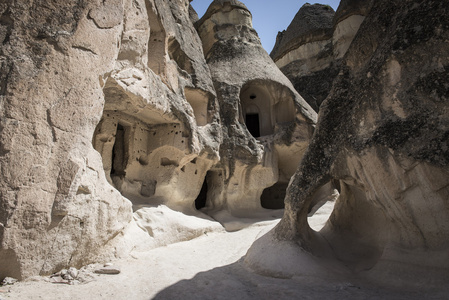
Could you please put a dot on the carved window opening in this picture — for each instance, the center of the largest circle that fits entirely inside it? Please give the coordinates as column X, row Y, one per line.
column 272, row 101
column 256, row 101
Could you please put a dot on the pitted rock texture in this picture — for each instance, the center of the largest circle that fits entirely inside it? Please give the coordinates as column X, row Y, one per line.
column 383, row 133
column 311, row 23
column 309, row 52
column 304, row 52
column 56, row 205
column 109, row 107
column 266, row 124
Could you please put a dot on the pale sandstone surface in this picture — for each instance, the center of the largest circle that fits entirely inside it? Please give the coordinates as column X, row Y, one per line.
column 127, row 61
column 310, row 50
column 383, row 133
column 257, row 160
column 113, row 135
column 121, row 119
column 56, row 206
column 208, row 267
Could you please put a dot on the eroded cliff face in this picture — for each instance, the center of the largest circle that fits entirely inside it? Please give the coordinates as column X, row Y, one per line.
column 109, row 107
column 383, row 133
column 158, row 133
column 310, row 50
column 56, row 206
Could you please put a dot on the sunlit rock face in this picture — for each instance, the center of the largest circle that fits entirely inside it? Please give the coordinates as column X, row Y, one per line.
column 56, row 207
column 347, row 20
column 125, row 78
column 110, row 114
column 383, row 133
column 266, row 124
column 158, row 133
column 310, row 50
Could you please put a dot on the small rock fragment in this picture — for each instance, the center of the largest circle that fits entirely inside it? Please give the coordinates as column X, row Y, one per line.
column 73, row 272
column 58, row 279
column 108, row 270
column 9, row 281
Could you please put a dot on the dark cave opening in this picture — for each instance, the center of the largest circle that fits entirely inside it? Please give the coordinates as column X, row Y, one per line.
column 273, row 196
column 252, row 123
column 201, row 199
column 119, row 152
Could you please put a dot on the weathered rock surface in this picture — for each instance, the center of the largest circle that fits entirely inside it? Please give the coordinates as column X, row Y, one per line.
column 266, row 124
column 383, row 132
column 347, row 20
column 109, row 107
column 56, row 207
column 309, row 52
column 160, row 109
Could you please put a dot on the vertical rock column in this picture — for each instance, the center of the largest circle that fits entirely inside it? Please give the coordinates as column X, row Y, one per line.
column 56, row 207
column 265, row 122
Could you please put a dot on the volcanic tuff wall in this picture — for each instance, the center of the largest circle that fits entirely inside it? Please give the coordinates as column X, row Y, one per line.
column 383, row 133
column 109, row 107
column 310, row 50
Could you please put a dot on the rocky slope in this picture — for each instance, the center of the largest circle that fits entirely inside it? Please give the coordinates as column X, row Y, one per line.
column 383, row 133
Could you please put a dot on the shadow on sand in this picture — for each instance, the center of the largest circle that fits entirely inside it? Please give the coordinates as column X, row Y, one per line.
column 235, row 281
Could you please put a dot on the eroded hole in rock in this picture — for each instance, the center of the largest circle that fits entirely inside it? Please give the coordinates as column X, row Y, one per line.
column 323, row 202
column 178, row 55
column 273, row 196
column 199, row 101
column 211, row 191
column 120, row 151
column 168, row 162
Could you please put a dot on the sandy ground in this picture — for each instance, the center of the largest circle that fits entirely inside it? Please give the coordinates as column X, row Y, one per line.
column 207, row 267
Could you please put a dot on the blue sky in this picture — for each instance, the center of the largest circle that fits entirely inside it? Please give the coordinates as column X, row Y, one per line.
column 269, row 16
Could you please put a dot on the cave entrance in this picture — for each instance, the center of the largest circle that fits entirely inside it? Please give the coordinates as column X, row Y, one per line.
column 120, row 151
column 273, row 196
column 252, row 123
column 201, row 199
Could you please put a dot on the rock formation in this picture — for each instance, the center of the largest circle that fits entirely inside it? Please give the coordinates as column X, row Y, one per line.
column 383, row 133
column 257, row 160
column 56, row 206
column 309, row 52
column 109, row 107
